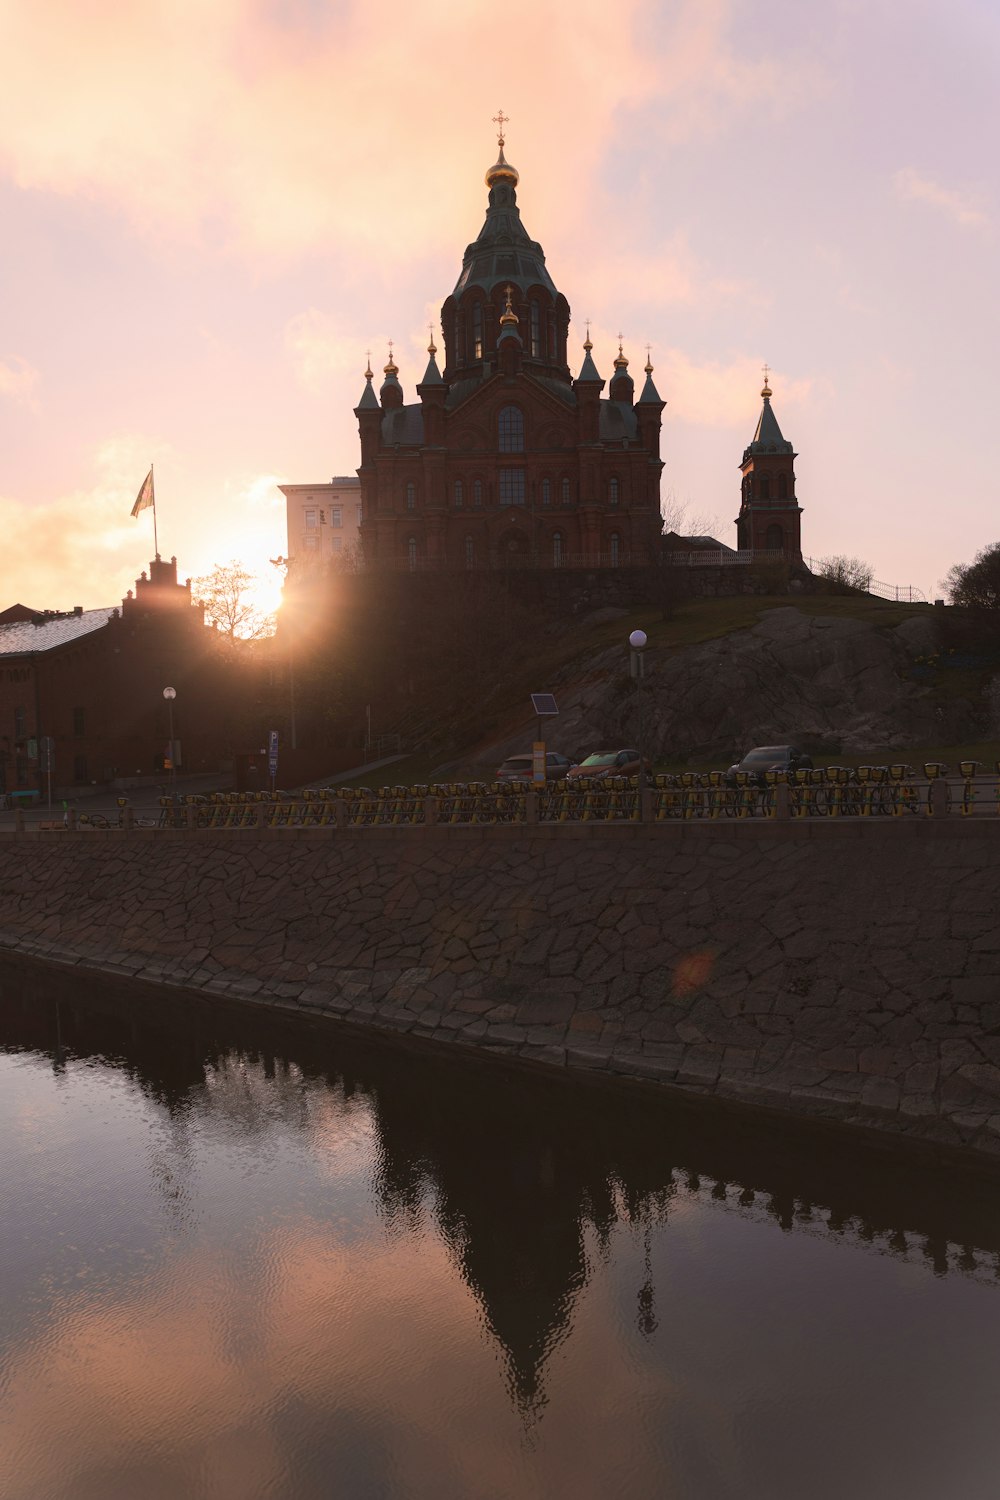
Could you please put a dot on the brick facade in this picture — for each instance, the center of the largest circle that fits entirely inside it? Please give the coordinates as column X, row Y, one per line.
column 506, row 460
column 93, row 681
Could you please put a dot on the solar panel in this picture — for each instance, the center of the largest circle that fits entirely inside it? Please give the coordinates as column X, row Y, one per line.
column 544, row 705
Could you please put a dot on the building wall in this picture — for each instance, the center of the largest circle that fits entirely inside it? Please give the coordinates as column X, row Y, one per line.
column 323, row 520
column 99, row 696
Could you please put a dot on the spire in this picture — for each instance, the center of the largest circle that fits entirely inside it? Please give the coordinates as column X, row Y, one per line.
column 650, row 395
column 368, row 397
column 432, row 375
column 391, row 391
column 622, row 387
column 588, row 370
column 767, row 438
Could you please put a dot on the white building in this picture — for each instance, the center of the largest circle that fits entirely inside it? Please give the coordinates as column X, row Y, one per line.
column 323, row 520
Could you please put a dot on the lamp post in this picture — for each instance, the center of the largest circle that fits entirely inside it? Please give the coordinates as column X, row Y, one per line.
column 637, row 645
column 170, row 694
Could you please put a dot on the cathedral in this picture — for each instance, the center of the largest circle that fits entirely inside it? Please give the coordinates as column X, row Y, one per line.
column 507, row 460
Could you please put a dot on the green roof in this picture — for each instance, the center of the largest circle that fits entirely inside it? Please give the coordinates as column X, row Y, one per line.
column 767, row 438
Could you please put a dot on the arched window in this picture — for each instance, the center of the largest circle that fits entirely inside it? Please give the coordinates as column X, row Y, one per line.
column 411, row 496
column 459, row 494
column 411, row 553
column 775, row 539
column 613, row 491
column 557, row 549
column 470, row 552
column 564, row 491
column 765, row 487
column 477, row 492
column 749, row 487
column 616, row 549
column 511, row 430
column 477, row 330
column 546, row 491
column 782, row 486
column 459, row 341
column 536, row 331
column 552, row 335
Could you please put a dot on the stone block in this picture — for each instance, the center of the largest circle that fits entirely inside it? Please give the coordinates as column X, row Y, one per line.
column 918, row 1106
column 588, row 1057
column 545, row 1010
column 880, row 1093
column 838, row 1059
column 643, row 1067
column 984, row 1077
column 884, row 1062
column 507, row 1033
column 701, row 1065
column 672, row 1054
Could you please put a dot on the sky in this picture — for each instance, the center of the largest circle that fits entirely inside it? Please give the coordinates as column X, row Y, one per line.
column 212, row 209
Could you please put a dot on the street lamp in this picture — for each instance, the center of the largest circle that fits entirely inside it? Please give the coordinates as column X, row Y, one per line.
column 637, row 645
column 170, row 694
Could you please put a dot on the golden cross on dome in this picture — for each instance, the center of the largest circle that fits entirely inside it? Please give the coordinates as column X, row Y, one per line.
column 767, row 371
column 620, row 337
column 430, row 348
column 390, row 351
column 501, row 120
column 368, row 365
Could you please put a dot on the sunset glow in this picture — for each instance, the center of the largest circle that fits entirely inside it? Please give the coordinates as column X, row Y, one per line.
column 212, row 211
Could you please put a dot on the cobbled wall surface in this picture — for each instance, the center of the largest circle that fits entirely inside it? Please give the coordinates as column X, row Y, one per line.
column 849, row 970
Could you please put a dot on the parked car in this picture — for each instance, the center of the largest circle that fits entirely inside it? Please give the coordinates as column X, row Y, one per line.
column 769, row 758
column 607, row 763
column 519, row 767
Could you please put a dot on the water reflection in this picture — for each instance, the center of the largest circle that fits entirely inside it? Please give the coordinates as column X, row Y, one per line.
column 529, row 1185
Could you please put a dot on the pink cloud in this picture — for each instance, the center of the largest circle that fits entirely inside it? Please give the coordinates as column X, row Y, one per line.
column 963, row 205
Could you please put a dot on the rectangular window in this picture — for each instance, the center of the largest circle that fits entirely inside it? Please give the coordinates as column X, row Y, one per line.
column 337, row 543
column 79, row 722
column 310, row 544
column 20, row 724
column 511, row 486
column 337, row 516
column 79, row 768
column 310, row 518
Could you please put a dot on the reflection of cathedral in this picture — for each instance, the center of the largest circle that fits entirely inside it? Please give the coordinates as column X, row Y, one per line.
column 506, row 459
column 522, row 1171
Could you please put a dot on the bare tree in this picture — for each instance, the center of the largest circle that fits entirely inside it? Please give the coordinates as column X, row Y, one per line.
column 678, row 516
column 226, row 594
column 846, row 574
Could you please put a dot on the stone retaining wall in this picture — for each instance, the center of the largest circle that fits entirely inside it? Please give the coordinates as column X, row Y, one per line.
column 849, row 970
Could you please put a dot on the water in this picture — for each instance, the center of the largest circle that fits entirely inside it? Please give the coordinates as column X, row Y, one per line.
column 245, row 1258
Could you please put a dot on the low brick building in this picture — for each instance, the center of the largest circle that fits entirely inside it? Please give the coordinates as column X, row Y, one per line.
column 90, row 681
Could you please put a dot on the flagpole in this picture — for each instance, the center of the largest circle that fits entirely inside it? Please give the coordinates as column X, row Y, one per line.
column 156, row 544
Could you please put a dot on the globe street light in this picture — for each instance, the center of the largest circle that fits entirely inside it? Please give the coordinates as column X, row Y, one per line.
column 637, row 645
column 170, row 694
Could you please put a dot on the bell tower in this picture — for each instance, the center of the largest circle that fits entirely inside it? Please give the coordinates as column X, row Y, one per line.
column 770, row 515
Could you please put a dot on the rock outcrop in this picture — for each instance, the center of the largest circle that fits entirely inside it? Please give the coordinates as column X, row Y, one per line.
column 830, row 683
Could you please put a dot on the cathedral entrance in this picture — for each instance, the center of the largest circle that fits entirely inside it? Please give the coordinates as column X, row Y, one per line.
column 513, row 550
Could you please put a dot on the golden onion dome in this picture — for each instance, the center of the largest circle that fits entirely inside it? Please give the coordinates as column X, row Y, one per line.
column 502, row 171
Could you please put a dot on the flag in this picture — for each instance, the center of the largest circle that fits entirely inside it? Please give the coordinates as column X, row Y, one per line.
column 145, row 497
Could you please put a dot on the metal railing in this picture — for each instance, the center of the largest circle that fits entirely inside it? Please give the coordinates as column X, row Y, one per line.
column 726, row 557
column 832, row 793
